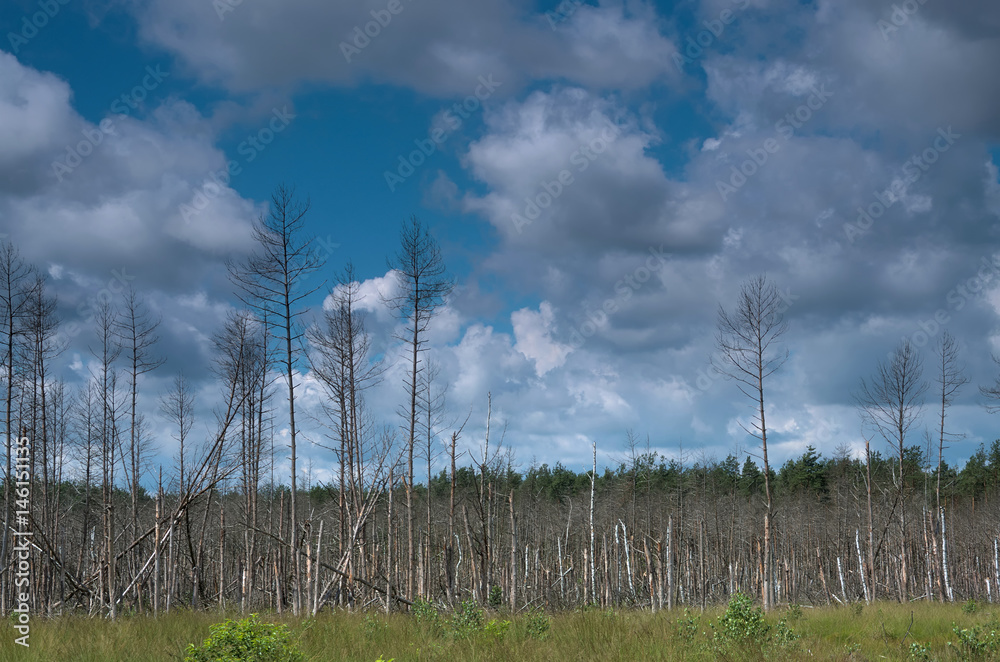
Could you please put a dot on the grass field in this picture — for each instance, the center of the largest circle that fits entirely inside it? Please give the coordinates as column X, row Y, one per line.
column 883, row 631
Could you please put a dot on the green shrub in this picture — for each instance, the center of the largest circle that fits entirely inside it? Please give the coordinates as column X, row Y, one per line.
column 496, row 628
column 919, row 651
column 467, row 619
column 970, row 607
column 495, row 601
column 742, row 629
column 537, row 624
column 688, row 626
column 784, row 635
column 742, row 623
column 427, row 615
column 247, row 640
column 978, row 642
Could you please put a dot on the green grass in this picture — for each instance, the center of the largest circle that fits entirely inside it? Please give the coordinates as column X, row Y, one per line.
column 831, row 633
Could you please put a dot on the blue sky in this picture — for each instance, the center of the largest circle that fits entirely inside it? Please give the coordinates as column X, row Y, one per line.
column 728, row 137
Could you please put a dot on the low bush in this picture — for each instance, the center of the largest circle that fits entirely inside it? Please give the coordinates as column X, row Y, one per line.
column 980, row 642
column 537, row 624
column 246, row 640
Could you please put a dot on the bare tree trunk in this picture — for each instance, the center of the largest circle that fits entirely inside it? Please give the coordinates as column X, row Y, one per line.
column 744, row 338
column 421, row 273
column 890, row 402
column 388, row 546
column 449, row 550
column 944, row 559
column 410, row 515
column 861, row 566
column 650, row 575
column 156, row 547
column 513, row 556
column 14, row 299
column 269, row 282
column 137, row 333
column 222, row 553
column 951, row 377
column 871, row 519
column 628, row 561
column 822, row 574
column 593, row 549
column 317, row 598
column 840, row 572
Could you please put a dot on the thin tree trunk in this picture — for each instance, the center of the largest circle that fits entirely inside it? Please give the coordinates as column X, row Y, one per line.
column 670, row 562
column 593, row 484
column 513, row 556
column 156, row 546
column 861, row 566
column 388, row 546
column 944, row 560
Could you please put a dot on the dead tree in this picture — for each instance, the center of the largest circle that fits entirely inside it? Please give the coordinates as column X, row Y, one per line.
column 137, row 336
column 86, row 424
column 747, row 340
column 241, row 360
column 271, row 282
column 593, row 549
column 423, row 286
column 211, row 466
column 177, row 405
column 890, row 401
column 40, row 328
column 15, row 301
column 107, row 352
column 432, row 404
column 342, row 361
column 453, row 587
column 869, row 487
column 950, row 378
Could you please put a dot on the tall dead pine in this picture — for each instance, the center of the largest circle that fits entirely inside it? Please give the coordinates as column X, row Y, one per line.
column 272, row 282
column 748, row 342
